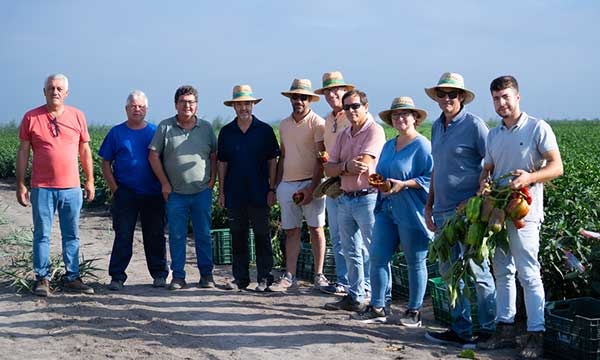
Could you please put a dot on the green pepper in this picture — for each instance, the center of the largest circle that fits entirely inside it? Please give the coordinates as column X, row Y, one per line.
column 474, row 208
column 475, row 234
column 496, row 220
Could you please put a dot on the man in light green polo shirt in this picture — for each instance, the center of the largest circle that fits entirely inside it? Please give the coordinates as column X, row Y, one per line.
column 183, row 155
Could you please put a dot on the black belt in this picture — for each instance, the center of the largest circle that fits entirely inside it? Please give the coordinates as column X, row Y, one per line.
column 358, row 193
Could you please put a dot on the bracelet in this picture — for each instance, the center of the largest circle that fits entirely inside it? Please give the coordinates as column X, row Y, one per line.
column 273, row 190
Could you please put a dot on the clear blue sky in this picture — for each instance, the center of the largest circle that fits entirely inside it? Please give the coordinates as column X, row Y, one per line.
column 387, row 48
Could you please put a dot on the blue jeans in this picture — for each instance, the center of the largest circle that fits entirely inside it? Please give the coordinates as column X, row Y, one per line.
column 484, row 286
column 341, row 271
column 180, row 208
column 386, row 238
column 523, row 260
column 45, row 202
column 356, row 221
column 125, row 208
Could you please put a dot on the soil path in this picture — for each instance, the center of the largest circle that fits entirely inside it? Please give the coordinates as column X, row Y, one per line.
column 146, row 323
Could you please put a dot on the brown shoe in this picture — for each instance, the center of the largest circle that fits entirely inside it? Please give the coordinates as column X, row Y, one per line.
column 77, row 286
column 534, row 346
column 504, row 337
column 42, row 288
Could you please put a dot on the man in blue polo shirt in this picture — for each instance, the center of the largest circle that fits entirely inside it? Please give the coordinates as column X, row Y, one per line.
column 247, row 154
column 136, row 191
column 458, row 141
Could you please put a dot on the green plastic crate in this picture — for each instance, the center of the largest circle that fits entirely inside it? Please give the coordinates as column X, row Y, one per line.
column 573, row 329
column 305, row 265
column 222, row 247
column 400, row 275
column 441, row 303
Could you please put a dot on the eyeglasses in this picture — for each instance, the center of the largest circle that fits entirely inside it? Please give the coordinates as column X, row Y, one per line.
column 302, row 97
column 354, row 106
column 54, row 130
column 187, row 102
column 451, row 94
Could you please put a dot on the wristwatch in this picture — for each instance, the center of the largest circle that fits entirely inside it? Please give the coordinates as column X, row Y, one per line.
column 273, row 190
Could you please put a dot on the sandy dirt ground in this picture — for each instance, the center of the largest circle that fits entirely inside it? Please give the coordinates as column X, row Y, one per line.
column 142, row 322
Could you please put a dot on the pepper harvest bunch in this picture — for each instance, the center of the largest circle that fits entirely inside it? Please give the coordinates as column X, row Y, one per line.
column 479, row 225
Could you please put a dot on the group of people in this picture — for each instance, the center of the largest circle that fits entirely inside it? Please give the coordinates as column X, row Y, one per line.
column 167, row 172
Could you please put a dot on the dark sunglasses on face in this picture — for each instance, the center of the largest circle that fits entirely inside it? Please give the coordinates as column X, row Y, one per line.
column 299, row 97
column 451, row 94
column 354, row 106
column 54, row 130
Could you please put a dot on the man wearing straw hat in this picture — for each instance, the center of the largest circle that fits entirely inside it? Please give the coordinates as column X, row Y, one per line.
column 183, row 156
column 298, row 174
column 247, row 154
column 334, row 88
column 525, row 147
column 458, row 141
column 354, row 157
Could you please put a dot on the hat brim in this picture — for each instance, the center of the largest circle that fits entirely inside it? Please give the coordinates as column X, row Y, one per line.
column 469, row 95
column 348, row 87
column 313, row 96
column 329, row 187
column 241, row 99
column 386, row 116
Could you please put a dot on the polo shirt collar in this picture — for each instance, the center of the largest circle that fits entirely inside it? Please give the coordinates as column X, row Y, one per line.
column 368, row 123
column 195, row 123
column 252, row 124
column 302, row 120
column 522, row 120
column 462, row 114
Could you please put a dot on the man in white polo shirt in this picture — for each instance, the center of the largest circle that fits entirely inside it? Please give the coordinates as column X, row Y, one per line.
column 527, row 148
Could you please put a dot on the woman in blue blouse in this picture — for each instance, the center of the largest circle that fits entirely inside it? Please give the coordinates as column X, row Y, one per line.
column 407, row 163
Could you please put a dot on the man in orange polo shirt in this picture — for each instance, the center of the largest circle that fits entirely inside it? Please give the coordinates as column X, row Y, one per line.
column 298, row 174
column 57, row 134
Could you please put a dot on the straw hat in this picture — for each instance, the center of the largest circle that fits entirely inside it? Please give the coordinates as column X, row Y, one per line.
column 302, row 87
column 451, row 81
column 403, row 103
column 242, row 93
column 333, row 79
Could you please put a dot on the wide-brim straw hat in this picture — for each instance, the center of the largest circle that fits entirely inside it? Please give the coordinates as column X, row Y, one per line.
column 242, row 93
column 403, row 103
column 302, row 87
column 451, row 81
column 333, row 79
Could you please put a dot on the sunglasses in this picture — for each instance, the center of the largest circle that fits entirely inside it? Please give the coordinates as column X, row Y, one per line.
column 354, row 106
column 54, row 130
column 451, row 94
column 299, row 97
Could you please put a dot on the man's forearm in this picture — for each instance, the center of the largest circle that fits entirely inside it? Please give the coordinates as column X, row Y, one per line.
column 22, row 162
column 272, row 165
column 222, row 166
column 213, row 167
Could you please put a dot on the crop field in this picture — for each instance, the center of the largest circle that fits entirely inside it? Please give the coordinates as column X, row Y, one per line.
column 572, row 203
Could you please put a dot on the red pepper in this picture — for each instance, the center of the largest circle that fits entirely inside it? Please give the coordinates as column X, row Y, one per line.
column 527, row 194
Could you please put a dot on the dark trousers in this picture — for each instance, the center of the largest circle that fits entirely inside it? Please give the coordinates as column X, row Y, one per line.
column 126, row 206
column 240, row 220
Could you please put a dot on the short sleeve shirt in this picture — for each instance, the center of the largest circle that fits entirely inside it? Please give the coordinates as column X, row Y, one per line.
column 298, row 140
column 55, row 158
column 369, row 140
column 412, row 162
column 522, row 147
column 127, row 150
column 247, row 155
column 185, row 153
column 334, row 124
column 458, row 153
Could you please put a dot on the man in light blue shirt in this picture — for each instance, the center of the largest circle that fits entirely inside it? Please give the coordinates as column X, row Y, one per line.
column 458, row 148
column 525, row 147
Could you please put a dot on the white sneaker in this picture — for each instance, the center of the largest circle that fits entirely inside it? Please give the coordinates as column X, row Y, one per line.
column 320, row 281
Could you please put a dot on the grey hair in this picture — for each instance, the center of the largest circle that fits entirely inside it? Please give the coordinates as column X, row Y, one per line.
column 62, row 77
column 139, row 94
